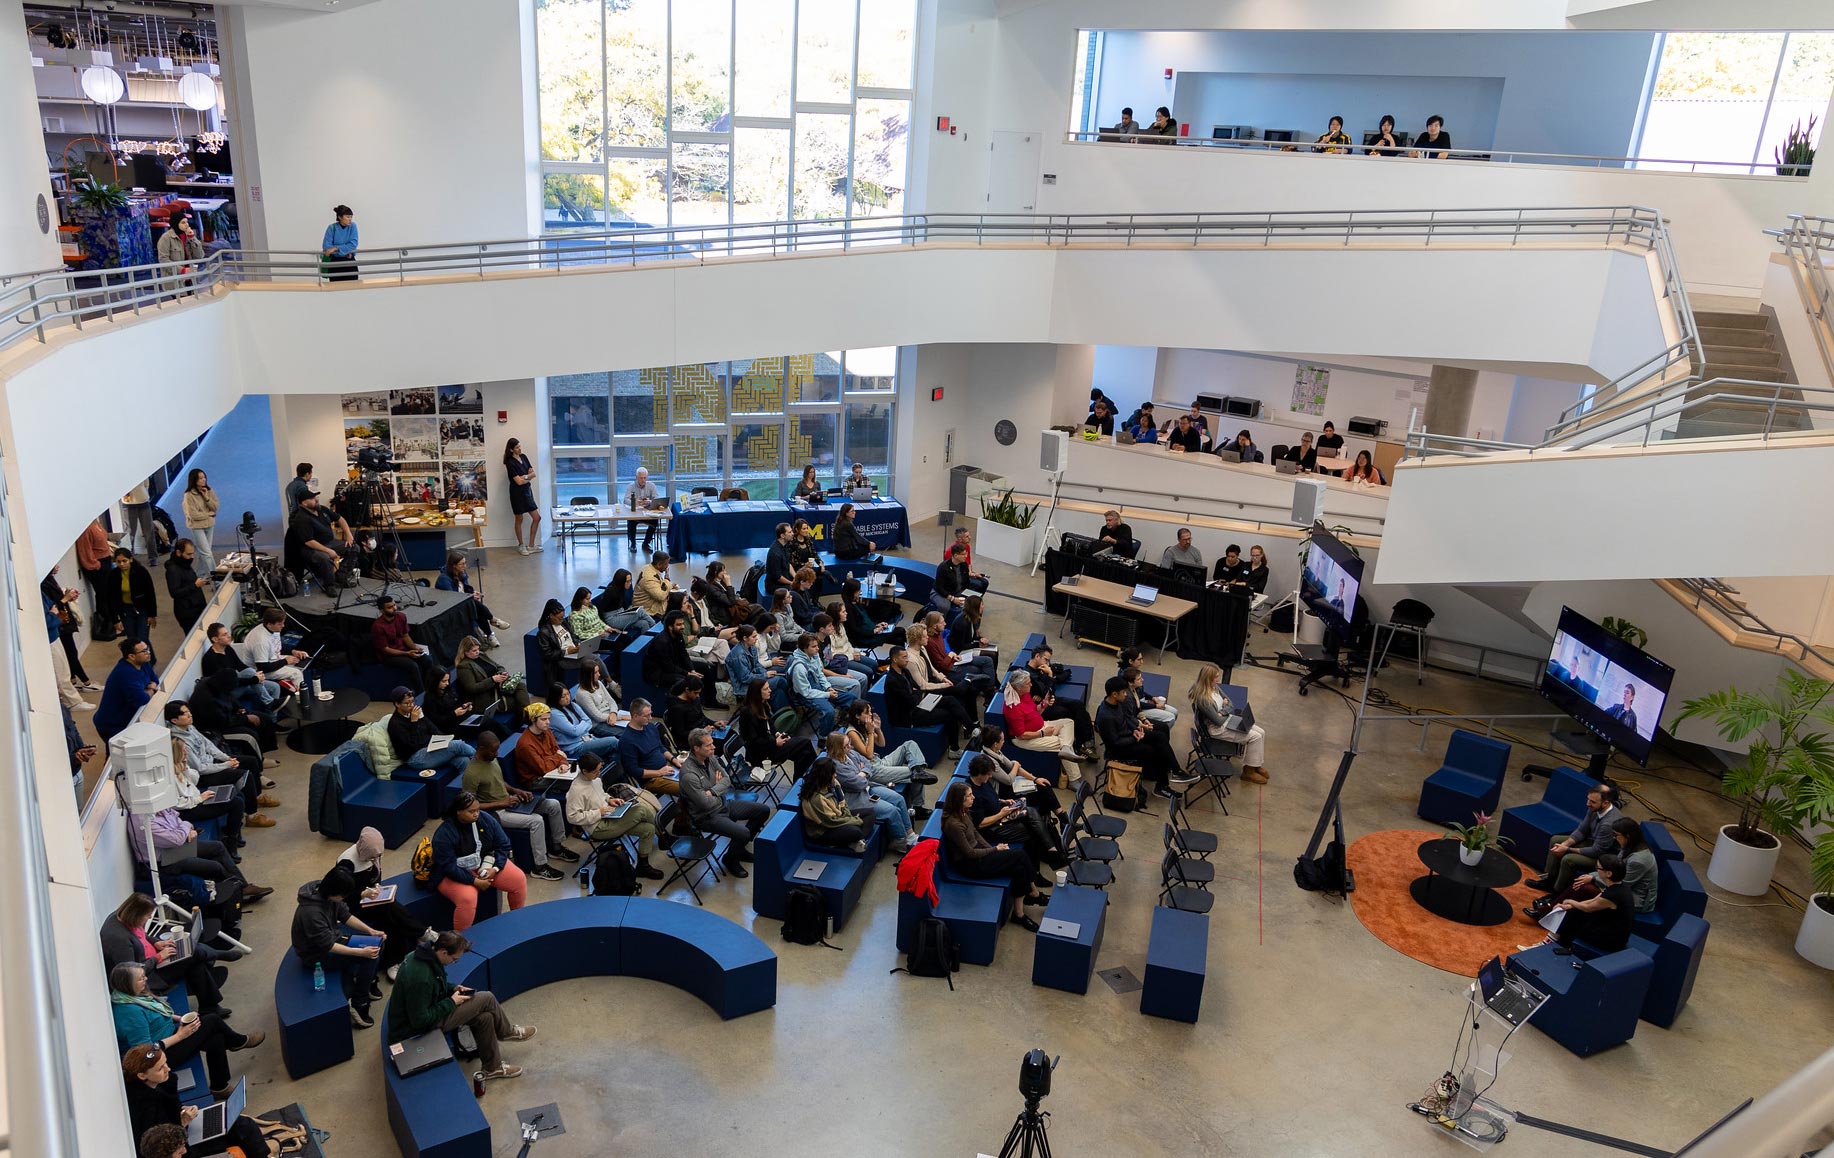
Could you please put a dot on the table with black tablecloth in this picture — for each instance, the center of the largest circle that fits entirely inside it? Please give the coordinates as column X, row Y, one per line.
column 724, row 527
column 446, row 619
column 1217, row 631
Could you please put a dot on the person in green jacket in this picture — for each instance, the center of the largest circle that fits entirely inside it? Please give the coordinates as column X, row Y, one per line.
column 423, row 1000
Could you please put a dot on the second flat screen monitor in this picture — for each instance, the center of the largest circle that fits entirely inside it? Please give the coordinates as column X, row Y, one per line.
column 1330, row 580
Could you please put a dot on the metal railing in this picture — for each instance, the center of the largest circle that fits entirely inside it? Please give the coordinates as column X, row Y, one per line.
column 36, row 305
column 40, row 1104
column 1722, row 599
column 1312, row 147
column 1805, row 240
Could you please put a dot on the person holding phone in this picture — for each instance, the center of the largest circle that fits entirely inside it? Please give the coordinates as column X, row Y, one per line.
column 327, row 934
column 424, row 1000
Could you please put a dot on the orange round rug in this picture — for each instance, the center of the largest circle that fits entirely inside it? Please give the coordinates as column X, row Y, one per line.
column 1385, row 863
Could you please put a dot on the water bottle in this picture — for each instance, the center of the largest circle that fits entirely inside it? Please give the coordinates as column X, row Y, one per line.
column 318, row 977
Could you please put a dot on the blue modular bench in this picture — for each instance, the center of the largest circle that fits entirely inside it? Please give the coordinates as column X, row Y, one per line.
column 433, row 1113
column 1678, row 893
column 395, row 808
column 630, row 673
column 1176, row 954
column 947, row 872
column 532, row 668
column 1661, row 841
column 1468, row 782
column 928, row 736
column 193, row 1078
column 1533, row 828
column 428, row 905
column 779, row 847
column 315, row 1031
column 972, row 912
column 1677, row 960
column 1593, row 1003
column 1037, row 763
column 1067, row 963
column 917, row 576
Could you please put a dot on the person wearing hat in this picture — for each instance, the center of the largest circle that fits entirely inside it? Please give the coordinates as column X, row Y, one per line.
column 312, row 544
column 409, row 732
column 537, row 749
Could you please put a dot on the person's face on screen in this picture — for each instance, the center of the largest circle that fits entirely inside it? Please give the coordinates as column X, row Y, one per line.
column 1630, row 694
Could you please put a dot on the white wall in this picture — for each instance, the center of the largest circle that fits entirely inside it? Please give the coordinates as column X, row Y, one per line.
column 24, row 172
column 1541, row 92
column 956, row 43
column 1128, row 374
column 409, row 111
column 1535, row 405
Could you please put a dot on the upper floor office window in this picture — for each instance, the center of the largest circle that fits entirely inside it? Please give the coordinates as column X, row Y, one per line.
column 689, row 113
column 1733, row 97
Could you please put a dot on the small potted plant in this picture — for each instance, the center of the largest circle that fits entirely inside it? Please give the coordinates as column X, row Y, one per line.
column 1797, row 153
column 1784, row 780
column 1006, row 530
column 1474, row 838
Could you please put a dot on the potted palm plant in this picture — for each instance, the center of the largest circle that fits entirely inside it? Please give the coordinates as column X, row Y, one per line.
column 1815, row 940
column 1474, row 838
column 1006, row 530
column 1787, row 774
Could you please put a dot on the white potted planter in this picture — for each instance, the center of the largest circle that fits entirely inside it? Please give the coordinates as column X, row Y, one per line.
column 1009, row 545
column 1311, row 628
column 1742, row 868
column 1470, row 856
column 1815, row 940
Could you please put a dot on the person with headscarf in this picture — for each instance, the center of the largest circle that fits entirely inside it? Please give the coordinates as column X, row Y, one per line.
column 363, row 861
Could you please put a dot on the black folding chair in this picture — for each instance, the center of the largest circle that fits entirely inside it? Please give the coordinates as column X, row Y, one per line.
column 692, row 854
column 1195, row 841
column 1174, row 890
column 1209, row 767
column 1095, row 874
column 1095, row 848
column 1100, row 824
column 1200, row 873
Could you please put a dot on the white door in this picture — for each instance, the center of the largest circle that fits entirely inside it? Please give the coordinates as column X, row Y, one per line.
column 1012, row 176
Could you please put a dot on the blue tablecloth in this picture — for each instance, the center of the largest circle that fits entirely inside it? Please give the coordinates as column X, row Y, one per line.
column 727, row 528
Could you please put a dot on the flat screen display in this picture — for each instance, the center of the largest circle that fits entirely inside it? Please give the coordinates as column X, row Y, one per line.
column 1612, row 688
column 1330, row 579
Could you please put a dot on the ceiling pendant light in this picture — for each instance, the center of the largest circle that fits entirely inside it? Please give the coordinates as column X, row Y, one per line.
column 104, row 86
column 198, row 91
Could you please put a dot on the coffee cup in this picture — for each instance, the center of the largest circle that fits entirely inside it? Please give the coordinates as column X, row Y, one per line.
column 188, row 1019
column 1063, row 878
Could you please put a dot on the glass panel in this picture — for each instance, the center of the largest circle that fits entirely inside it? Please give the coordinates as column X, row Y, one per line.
column 698, row 196
column 882, row 137
column 1802, row 92
column 581, row 476
column 1080, row 94
column 700, row 39
column 572, row 201
column 815, row 377
column 698, row 393
column 869, row 441
column 757, row 386
column 567, row 36
column 888, row 30
column 636, row 35
column 812, row 440
column 757, row 450
column 635, row 193
column 639, row 401
column 872, row 369
column 1709, row 97
column 821, row 166
column 580, row 407
column 824, row 50
column 761, row 77
column 654, row 459
column 761, row 175
column 697, row 461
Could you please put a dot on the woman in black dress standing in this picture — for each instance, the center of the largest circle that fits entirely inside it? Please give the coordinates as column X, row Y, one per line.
column 522, row 495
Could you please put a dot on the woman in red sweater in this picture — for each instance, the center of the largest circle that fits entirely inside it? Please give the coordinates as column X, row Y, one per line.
column 1028, row 729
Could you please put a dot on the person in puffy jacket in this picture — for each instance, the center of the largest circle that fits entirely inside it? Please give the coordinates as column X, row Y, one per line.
column 470, row 854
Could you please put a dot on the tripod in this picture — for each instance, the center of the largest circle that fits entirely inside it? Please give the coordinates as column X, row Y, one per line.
column 1028, row 1138
column 382, row 518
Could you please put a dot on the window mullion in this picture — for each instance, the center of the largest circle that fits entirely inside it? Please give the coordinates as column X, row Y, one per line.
column 1770, row 102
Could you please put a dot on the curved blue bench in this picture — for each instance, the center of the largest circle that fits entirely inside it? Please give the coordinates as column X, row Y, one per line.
column 315, row 1031
column 917, row 576
column 430, row 906
column 433, row 1113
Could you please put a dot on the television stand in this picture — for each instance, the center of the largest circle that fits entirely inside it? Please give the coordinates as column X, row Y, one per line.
column 1580, row 743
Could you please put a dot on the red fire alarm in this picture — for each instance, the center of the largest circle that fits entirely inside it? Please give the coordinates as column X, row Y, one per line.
column 942, row 125
column 936, row 394
column 1168, row 74
column 502, row 418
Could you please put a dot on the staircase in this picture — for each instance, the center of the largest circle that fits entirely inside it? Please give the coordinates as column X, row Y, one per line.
column 1723, row 610
column 1745, row 346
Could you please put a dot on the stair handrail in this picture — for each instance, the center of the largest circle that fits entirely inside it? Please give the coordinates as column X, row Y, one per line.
column 1714, row 594
column 1804, row 239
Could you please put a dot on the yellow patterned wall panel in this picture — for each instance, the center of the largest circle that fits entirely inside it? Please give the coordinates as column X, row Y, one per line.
column 760, row 391
column 698, row 395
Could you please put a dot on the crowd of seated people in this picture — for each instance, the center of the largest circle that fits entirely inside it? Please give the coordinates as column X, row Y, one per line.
column 1190, row 434
column 1433, row 143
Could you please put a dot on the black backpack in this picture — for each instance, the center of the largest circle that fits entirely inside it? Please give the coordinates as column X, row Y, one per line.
column 805, row 917
column 1323, row 873
column 749, row 587
column 612, row 873
column 934, row 952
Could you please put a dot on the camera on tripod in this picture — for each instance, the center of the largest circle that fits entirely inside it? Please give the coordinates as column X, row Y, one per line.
column 249, row 527
column 1028, row 1138
column 377, row 460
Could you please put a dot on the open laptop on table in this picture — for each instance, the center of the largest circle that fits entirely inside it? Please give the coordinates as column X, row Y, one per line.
column 1143, row 595
column 214, row 1120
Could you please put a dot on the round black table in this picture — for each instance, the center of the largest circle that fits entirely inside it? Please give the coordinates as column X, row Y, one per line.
column 1461, row 892
column 324, row 724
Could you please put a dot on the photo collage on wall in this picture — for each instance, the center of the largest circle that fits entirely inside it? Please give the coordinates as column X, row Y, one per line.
column 434, row 434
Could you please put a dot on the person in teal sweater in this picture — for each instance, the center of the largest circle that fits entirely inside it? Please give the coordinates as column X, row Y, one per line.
column 141, row 1018
column 423, row 1001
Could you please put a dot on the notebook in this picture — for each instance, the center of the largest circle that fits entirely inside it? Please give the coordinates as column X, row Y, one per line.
column 213, row 1120
column 1024, row 787
column 438, row 742
column 384, row 894
column 1051, row 926
column 419, row 1053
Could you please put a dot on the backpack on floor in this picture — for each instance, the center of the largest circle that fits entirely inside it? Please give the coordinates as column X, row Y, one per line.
column 1121, row 792
column 1323, row 873
column 805, row 917
column 421, row 863
column 612, row 873
column 934, row 952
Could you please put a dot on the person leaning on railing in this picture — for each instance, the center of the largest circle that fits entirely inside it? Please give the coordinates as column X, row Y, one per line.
column 338, row 251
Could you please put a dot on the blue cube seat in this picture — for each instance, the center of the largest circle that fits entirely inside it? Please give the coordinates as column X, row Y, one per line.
column 928, row 737
column 1067, row 963
column 1533, row 828
column 779, row 847
column 1677, row 961
column 972, row 912
column 630, row 673
column 1678, row 893
column 433, row 1113
column 1177, row 953
column 1470, row 780
column 1593, row 1003
column 945, row 869
column 315, row 1030
column 395, row 808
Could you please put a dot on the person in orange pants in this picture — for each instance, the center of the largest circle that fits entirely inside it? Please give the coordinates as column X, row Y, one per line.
column 470, row 855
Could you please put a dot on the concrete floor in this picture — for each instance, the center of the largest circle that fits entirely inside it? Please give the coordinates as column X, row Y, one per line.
column 1314, row 1035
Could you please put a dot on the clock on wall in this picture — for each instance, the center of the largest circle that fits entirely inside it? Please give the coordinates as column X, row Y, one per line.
column 1005, row 433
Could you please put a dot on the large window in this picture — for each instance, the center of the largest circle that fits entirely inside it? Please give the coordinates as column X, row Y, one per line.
column 750, row 423
column 1733, row 98
column 691, row 113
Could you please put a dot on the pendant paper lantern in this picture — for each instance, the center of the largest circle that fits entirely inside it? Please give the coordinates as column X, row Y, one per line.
column 104, row 86
column 197, row 91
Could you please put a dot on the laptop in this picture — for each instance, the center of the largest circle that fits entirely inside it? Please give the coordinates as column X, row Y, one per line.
column 1510, row 998
column 1124, row 437
column 1229, row 455
column 862, row 494
column 1286, row 466
column 1330, row 452
column 1241, row 721
column 214, row 1120
column 809, row 870
column 1143, row 595
column 421, row 1052
column 1053, row 927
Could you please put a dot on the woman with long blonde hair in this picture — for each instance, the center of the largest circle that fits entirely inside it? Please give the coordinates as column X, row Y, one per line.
column 1212, row 707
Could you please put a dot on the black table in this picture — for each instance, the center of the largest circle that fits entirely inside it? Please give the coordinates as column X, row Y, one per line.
column 1217, row 631
column 1460, row 892
column 324, row 724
